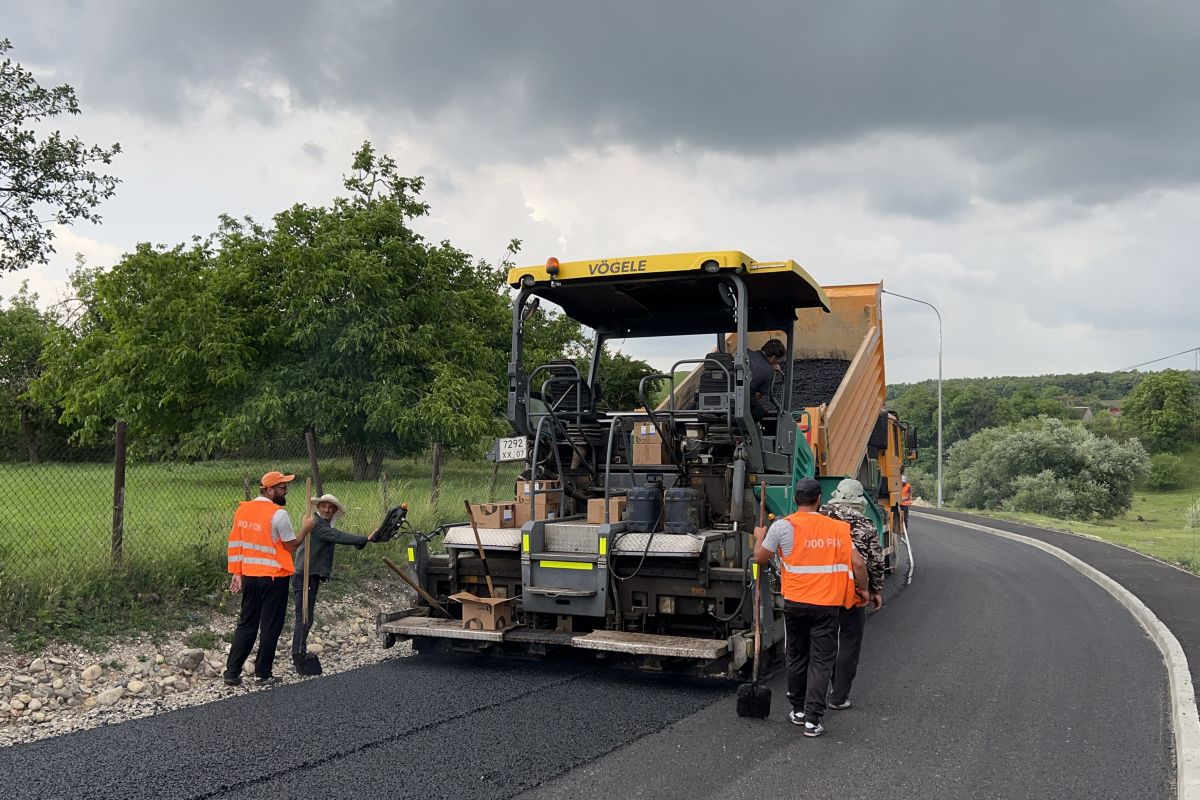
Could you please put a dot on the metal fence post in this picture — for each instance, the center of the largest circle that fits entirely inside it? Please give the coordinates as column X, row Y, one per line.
column 118, row 521
column 310, row 439
column 435, row 479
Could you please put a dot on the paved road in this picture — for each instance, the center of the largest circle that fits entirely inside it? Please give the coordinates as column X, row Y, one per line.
column 999, row 673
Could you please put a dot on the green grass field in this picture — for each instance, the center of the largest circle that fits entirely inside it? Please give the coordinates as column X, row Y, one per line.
column 1159, row 532
column 56, row 571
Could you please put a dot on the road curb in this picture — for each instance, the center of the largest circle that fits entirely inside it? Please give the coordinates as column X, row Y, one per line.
column 1183, row 696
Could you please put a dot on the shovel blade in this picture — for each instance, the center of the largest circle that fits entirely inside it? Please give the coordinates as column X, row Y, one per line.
column 753, row 700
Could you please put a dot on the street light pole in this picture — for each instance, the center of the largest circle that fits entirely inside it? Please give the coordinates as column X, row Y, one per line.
column 939, row 441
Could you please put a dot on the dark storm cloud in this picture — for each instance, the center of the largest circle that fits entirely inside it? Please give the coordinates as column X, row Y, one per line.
column 1092, row 100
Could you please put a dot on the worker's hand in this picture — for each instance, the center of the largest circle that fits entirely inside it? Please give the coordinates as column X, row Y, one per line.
column 306, row 527
column 876, row 601
column 235, row 584
column 863, row 595
column 371, row 536
column 759, row 533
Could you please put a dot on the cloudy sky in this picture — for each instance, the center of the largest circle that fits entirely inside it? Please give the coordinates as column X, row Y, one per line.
column 1031, row 168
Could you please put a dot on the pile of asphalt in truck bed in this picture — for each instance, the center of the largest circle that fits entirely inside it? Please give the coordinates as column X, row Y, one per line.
column 816, row 380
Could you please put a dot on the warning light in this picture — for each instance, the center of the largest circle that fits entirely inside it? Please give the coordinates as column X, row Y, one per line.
column 552, row 266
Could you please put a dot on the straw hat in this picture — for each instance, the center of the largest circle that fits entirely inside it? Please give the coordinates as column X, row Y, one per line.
column 328, row 498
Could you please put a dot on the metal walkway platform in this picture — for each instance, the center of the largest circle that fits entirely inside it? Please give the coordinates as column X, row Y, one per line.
column 643, row 644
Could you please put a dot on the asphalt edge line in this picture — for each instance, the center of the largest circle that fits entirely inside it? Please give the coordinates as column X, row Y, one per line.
column 1183, row 697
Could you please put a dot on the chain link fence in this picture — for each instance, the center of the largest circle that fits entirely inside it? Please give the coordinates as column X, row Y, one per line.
column 78, row 532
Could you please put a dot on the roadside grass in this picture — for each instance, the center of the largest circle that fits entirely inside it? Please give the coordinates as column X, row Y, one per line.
column 57, row 578
column 1154, row 526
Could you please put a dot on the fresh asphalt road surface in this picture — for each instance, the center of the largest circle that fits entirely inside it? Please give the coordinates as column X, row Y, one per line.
column 1001, row 672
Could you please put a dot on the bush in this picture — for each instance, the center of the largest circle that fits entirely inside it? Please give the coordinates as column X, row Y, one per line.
column 1166, row 472
column 1045, row 466
column 1193, row 517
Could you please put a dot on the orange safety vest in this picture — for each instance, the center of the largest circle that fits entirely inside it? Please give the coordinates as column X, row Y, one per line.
column 906, row 494
column 251, row 551
column 819, row 570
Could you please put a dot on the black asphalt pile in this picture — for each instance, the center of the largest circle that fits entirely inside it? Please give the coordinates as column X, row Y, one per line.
column 412, row 727
column 816, row 380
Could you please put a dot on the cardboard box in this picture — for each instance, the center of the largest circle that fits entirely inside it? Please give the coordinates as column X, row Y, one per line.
column 485, row 613
column 646, row 433
column 522, row 513
column 650, row 453
column 545, row 506
column 495, row 515
column 525, row 489
column 595, row 511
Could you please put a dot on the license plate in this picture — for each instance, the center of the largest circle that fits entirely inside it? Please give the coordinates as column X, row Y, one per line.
column 512, row 448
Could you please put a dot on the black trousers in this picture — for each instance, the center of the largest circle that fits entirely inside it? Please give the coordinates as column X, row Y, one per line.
column 300, row 632
column 850, row 635
column 810, row 649
column 264, row 606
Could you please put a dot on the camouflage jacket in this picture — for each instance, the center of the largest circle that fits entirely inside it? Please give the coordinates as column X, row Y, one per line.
column 866, row 541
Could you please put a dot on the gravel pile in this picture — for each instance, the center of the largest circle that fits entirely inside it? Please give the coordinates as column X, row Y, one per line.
column 66, row 688
column 816, row 380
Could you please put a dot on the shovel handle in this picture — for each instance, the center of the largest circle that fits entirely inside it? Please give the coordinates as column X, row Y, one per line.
column 307, row 544
column 762, row 518
column 426, row 596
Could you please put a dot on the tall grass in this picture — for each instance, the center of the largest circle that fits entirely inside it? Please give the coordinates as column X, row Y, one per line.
column 57, row 575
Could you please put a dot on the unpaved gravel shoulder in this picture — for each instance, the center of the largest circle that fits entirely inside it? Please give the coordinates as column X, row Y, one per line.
column 65, row 688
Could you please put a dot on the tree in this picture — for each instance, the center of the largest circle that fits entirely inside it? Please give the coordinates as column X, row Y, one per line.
column 1164, row 409
column 42, row 179
column 1045, row 466
column 619, row 378
column 341, row 319
column 24, row 330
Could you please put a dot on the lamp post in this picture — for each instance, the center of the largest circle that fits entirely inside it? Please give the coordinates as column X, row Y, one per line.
column 939, row 441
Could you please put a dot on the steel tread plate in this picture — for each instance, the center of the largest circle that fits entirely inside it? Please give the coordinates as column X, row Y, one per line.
column 645, row 644
column 461, row 538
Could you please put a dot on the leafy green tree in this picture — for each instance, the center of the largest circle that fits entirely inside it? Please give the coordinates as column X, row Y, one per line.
column 1045, row 466
column 1164, row 409
column 44, row 178
column 918, row 407
column 24, row 330
column 341, row 319
column 619, row 378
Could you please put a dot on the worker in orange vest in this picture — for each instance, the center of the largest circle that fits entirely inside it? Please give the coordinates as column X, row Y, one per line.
column 905, row 500
column 259, row 556
column 821, row 574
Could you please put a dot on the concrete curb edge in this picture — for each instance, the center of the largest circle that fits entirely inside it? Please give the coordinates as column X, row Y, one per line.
column 1183, row 696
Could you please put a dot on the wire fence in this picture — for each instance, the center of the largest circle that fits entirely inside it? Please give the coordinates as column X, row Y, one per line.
column 160, row 528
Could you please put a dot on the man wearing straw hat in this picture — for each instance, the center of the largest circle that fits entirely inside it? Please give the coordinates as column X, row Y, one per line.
column 259, row 557
column 323, row 537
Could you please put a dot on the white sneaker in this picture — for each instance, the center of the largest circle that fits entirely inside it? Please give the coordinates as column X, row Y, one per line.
column 813, row 731
column 797, row 717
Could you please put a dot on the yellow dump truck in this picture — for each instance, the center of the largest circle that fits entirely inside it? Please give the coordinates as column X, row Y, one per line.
column 628, row 537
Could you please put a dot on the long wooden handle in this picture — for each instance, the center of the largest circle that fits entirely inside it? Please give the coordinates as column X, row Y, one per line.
column 307, row 544
column 762, row 519
column 487, row 573
column 426, row 596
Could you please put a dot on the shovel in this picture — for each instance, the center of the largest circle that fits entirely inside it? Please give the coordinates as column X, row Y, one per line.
column 754, row 699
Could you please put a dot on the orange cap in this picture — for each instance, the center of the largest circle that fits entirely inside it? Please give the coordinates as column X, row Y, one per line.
column 274, row 478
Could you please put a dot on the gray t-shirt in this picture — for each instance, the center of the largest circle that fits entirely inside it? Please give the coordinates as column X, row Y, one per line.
column 281, row 524
column 780, row 537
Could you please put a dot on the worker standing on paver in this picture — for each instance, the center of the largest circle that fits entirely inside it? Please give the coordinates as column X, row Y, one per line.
column 322, row 540
column 764, row 364
column 906, row 494
column 847, row 503
column 259, row 555
column 820, row 573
